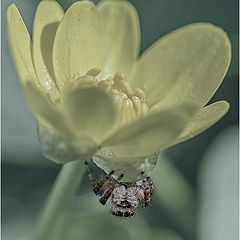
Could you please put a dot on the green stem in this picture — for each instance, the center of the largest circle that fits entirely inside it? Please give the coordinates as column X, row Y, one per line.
column 65, row 186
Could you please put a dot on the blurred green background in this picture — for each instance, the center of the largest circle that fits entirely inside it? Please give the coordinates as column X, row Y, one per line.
column 196, row 181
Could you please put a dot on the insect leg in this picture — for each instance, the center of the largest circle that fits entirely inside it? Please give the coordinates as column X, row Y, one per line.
column 98, row 186
column 147, row 188
column 120, row 177
column 108, row 193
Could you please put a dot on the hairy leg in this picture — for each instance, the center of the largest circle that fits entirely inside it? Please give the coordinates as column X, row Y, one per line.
column 112, row 184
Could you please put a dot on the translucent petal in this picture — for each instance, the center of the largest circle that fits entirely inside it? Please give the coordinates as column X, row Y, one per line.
column 121, row 32
column 46, row 21
column 20, row 45
column 90, row 112
column 61, row 150
column 45, row 112
column 188, row 64
column 78, row 42
column 208, row 116
column 148, row 135
column 130, row 167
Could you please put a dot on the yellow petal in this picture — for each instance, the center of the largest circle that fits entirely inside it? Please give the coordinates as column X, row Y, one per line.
column 208, row 116
column 46, row 21
column 121, row 33
column 90, row 112
column 148, row 135
column 130, row 167
column 45, row 112
column 62, row 150
column 78, row 43
column 188, row 64
column 20, row 45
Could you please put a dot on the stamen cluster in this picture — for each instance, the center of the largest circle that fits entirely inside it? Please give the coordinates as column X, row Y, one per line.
column 130, row 103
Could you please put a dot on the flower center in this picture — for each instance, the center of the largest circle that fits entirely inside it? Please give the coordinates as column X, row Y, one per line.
column 130, row 103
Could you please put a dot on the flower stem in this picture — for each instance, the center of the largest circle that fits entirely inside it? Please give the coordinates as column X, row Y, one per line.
column 53, row 215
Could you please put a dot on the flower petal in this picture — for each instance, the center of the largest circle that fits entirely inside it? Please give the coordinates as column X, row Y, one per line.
column 130, row 167
column 61, row 150
column 121, row 33
column 78, row 43
column 208, row 116
column 188, row 64
column 90, row 112
column 148, row 135
column 20, row 45
column 46, row 21
column 45, row 112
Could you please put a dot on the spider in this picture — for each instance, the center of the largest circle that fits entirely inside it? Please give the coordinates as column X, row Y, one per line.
column 123, row 197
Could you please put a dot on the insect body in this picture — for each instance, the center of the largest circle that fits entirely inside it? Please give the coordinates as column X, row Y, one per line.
column 123, row 198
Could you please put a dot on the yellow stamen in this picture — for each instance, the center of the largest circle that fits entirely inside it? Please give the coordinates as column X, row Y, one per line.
column 130, row 103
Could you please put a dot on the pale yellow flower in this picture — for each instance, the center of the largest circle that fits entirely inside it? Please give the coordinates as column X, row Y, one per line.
column 94, row 96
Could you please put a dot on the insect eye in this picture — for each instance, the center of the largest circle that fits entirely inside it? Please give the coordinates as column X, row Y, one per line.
column 118, row 213
column 126, row 214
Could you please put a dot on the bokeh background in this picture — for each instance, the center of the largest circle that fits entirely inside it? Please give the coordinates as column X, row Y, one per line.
column 196, row 181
